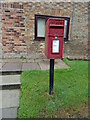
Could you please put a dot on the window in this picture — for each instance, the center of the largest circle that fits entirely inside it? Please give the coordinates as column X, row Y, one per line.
column 65, row 29
column 40, row 21
column 40, row 27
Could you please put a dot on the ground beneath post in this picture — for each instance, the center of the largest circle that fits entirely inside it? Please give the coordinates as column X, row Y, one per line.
column 80, row 112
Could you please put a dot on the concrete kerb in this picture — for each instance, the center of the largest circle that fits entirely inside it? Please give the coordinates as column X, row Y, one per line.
column 10, row 93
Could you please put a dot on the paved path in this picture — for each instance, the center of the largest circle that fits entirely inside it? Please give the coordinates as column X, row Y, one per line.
column 18, row 65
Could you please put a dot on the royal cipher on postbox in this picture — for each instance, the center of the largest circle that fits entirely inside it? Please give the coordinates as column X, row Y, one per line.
column 54, row 38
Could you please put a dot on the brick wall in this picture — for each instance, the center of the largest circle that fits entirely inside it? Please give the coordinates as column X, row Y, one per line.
column 89, row 29
column 78, row 45
column 0, row 32
column 18, row 28
column 13, row 30
column 36, row 48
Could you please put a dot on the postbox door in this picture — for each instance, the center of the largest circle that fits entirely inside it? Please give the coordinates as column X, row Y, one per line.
column 54, row 38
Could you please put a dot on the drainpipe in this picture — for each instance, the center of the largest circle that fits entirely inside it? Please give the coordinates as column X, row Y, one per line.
column 73, row 14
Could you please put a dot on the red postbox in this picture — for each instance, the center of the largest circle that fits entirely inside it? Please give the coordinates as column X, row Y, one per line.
column 54, row 37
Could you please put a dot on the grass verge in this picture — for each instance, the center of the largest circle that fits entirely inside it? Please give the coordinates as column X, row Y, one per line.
column 70, row 90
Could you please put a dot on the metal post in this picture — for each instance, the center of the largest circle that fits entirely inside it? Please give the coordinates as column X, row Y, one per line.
column 51, row 80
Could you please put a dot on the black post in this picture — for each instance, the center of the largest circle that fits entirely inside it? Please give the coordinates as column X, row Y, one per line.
column 51, row 80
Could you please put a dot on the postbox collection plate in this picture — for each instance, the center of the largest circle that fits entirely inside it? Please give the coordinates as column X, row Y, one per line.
column 55, row 48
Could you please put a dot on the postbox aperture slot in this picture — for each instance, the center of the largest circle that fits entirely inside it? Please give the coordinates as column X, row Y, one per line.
column 53, row 25
column 56, row 31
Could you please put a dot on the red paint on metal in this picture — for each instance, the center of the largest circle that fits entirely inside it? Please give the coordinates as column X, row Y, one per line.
column 54, row 31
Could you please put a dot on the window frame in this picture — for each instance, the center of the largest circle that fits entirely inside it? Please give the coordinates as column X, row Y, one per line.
column 46, row 17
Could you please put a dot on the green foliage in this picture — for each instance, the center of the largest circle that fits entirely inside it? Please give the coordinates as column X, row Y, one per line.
column 22, row 57
column 70, row 90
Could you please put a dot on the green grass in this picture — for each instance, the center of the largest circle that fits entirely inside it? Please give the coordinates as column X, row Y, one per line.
column 70, row 90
